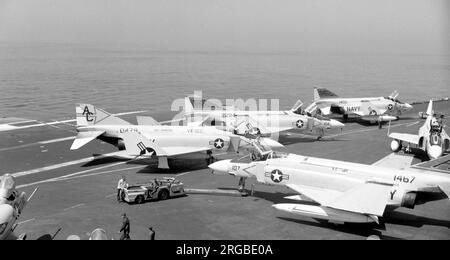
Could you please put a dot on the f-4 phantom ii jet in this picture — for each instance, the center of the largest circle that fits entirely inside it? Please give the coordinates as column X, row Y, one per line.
column 345, row 192
column 151, row 139
column 12, row 204
column 432, row 137
column 257, row 122
column 371, row 109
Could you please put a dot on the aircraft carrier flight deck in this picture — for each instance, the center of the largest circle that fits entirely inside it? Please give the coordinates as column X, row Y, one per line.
column 77, row 190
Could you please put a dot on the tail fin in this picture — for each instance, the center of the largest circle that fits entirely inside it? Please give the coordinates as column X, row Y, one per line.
column 188, row 106
column 193, row 103
column 430, row 108
column 320, row 93
column 90, row 115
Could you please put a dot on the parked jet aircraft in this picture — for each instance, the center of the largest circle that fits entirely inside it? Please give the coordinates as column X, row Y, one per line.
column 432, row 137
column 266, row 122
column 345, row 192
column 11, row 205
column 149, row 138
column 371, row 109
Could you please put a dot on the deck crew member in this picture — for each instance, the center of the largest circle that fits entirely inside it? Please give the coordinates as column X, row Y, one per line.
column 125, row 229
column 151, row 233
column 120, row 186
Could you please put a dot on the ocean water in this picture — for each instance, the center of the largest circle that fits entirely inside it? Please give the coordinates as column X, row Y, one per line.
column 45, row 81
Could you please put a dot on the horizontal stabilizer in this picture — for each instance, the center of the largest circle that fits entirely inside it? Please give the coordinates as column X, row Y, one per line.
column 83, row 138
column 147, row 120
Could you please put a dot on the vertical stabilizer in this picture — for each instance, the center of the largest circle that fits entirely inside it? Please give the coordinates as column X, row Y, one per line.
column 90, row 115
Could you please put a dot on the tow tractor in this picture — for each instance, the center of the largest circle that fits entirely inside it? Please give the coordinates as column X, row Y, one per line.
column 157, row 189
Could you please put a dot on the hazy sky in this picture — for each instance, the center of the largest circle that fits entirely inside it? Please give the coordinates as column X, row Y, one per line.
column 375, row 26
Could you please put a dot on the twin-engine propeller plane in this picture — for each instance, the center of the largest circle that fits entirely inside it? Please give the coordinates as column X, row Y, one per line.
column 344, row 191
column 431, row 138
column 12, row 204
column 370, row 109
column 261, row 122
column 151, row 139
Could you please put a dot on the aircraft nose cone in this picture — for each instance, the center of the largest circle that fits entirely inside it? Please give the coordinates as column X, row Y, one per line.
column 434, row 151
column 220, row 166
column 6, row 213
column 336, row 124
column 408, row 106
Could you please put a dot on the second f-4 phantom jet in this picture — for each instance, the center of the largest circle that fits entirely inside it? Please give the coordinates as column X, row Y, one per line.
column 345, row 191
column 371, row 109
column 432, row 137
column 262, row 122
column 149, row 138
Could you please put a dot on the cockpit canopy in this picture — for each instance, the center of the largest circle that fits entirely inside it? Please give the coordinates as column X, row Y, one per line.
column 396, row 100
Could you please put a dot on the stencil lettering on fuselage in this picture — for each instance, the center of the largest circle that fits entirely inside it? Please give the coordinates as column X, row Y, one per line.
column 353, row 109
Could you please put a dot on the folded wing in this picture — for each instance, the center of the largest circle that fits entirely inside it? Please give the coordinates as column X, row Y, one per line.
column 410, row 138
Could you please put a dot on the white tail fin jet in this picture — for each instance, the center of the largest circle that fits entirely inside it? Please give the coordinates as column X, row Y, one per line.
column 152, row 139
column 431, row 138
column 264, row 122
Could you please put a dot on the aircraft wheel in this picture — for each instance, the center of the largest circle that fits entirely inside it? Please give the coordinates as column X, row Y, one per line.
column 163, row 194
column 139, row 199
column 396, row 145
column 345, row 117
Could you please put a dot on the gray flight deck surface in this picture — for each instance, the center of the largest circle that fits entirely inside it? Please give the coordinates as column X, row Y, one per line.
column 85, row 199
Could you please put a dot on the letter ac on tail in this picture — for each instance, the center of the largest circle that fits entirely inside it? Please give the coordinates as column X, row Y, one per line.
column 88, row 115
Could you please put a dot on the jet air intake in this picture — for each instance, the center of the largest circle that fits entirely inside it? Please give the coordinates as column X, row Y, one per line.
column 404, row 199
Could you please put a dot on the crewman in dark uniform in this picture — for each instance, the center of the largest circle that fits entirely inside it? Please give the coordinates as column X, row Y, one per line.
column 151, row 233
column 125, row 229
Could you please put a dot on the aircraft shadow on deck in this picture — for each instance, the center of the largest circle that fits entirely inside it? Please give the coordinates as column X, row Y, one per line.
column 103, row 160
column 294, row 139
column 176, row 167
column 364, row 229
column 411, row 220
column 359, row 121
column 278, row 197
